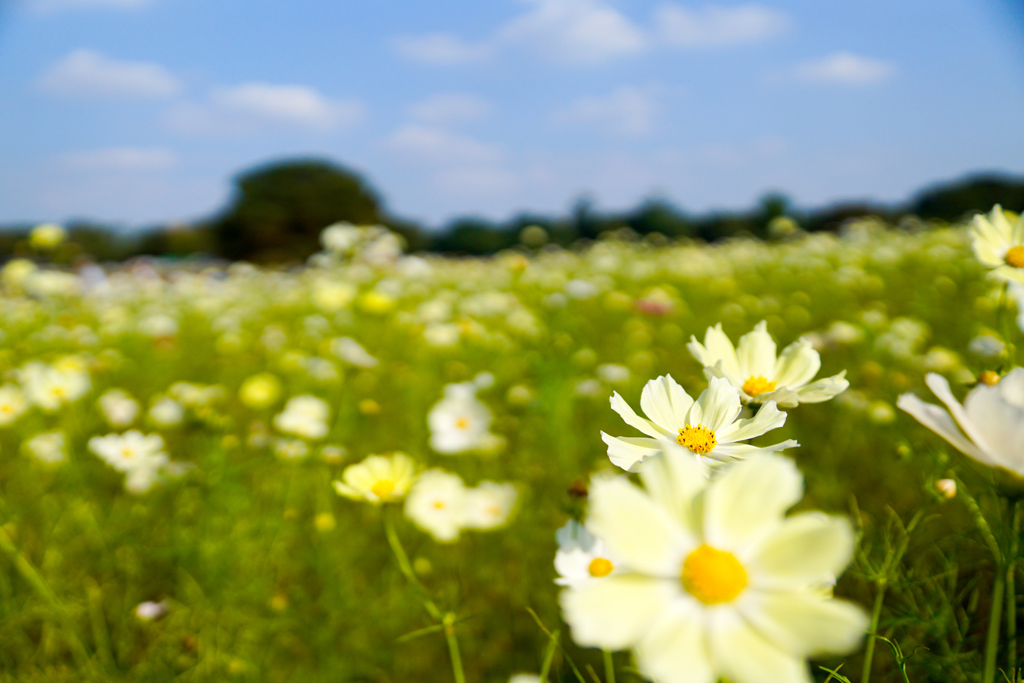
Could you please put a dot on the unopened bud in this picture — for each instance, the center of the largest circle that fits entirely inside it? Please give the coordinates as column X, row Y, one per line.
column 946, row 487
column 988, row 378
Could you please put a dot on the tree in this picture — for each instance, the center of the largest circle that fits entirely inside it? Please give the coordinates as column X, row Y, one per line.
column 279, row 210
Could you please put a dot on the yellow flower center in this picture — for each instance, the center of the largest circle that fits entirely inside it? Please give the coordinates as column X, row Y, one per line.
column 757, row 385
column 600, row 567
column 713, row 576
column 698, row 439
column 1015, row 257
column 988, row 378
column 127, row 452
column 462, row 423
column 383, row 488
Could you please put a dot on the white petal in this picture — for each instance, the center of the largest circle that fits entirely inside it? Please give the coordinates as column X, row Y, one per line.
column 620, row 406
column 742, row 450
column 666, row 403
column 717, row 406
column 614, row 613
column 717, row 347
column 1001, row 422
column 808, row 548
column 805, row 624
column 768, row 418
column 797, row 365
column 822, row 390
column 756, row 352
column 673, row 479
column 939, row 421
column 675, row 649
column 625, row 452
column 746, row 503
column 940, row 387
column 739, row 654
column 635, row 528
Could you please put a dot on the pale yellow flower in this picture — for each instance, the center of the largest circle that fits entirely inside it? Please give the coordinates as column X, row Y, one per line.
column 378, row 479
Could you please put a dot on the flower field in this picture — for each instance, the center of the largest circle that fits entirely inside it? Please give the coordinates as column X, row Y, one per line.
column 356, row 470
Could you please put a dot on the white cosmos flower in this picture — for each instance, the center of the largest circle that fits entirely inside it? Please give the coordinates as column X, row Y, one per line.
column 998, row 242
column 12, row 404
column 488, row 505
column 118, row 407
column 48, row 447
column 707, row 427
column 141, row 457
column 436, row 503
column 304, row 416
column 129, row 451
column 581, row 556
column 988, row 427
column 754, row 369
column 459, row 422
column 712, row 580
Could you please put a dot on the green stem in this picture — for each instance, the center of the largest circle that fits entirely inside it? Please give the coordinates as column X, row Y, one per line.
column 446, row 620
column 992, row 639
column 1011, row 595
column 869, row 648
column 979, row 519
column 609, row 667
column 453, row 648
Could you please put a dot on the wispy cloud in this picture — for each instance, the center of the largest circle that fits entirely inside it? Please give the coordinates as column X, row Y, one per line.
column 89, row 74
column 437, row 146
column 627, row 110
column 120, row 159
column 845, row 68
column 441, row 49
column 718, row 26
column 254, row 107
column 588, row 32
column 575, row 31
column 450, row 108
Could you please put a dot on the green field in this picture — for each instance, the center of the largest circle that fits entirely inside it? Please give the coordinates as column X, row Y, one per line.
column 267, row 574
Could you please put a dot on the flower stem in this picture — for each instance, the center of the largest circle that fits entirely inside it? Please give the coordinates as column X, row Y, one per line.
column 992, row 639
column 453, row 648
column 869, row 648
column 609, row 667
column 1011, row 595
column 447, row 620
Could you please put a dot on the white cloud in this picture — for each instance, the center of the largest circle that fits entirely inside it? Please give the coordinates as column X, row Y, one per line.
column 120, row 159
column 718, row 26
column 436, row 146
column 845, row 68
column 441, row 49
column 466, row 181
column 86, row 73
column 252, row 107
column 626, row 110
column 575, row 31
column 450, row 108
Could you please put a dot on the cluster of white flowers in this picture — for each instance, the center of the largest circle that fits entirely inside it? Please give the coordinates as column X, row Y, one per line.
column 437, row 501
column 700, row 573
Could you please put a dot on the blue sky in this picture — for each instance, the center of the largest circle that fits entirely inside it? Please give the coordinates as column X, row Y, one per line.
column 141, row 111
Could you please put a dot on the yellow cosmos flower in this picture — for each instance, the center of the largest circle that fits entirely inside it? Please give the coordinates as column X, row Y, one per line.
column 378, row 479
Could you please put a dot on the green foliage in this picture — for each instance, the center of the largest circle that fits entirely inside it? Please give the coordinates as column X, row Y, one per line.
column 280, row 209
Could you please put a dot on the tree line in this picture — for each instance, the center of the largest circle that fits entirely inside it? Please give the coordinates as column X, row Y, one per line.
column 278, row 210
